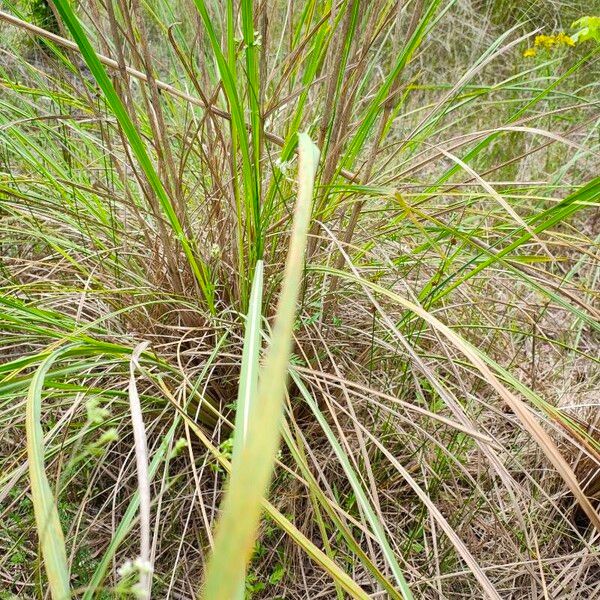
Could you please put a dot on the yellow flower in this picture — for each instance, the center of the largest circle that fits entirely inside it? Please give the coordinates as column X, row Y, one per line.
column 546, row 41
column 566, row 40
column 530, row 53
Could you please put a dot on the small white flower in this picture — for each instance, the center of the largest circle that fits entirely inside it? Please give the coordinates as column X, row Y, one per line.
column 284, row 166
column 143, row 566
column 257, row 41
column 125, row 569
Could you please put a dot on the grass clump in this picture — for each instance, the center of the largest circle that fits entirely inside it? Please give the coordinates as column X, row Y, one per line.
column 299, row 300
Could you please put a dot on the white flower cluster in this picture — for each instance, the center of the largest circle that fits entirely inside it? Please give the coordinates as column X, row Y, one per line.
column 133, row 569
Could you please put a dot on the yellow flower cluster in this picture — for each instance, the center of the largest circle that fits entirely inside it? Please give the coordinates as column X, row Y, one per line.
column 548, row 42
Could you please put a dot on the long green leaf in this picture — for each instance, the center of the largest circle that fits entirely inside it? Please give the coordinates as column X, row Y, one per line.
column 249, row 373
column 136, row 143
column 252, row 469
column 52, row 541
column 250, row 363
column 359, row 492
column 239, row 127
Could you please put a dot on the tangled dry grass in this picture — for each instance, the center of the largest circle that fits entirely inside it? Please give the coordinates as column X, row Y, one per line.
column 441, row 417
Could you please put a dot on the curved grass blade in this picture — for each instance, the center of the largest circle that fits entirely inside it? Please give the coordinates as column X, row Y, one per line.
column 52, row 541
column 251, row 472
column 521, row 410
column 141, row 459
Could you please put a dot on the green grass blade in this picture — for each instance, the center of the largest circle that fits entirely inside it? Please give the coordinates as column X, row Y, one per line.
column 358, row 489
column 250, row 361
column 136, row 143
column 52, row 541
column 239, row 129
column 251, row 50
column 249, row 373
column 251, row 473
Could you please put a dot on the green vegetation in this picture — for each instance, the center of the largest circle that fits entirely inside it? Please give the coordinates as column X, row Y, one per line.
column 299, row 299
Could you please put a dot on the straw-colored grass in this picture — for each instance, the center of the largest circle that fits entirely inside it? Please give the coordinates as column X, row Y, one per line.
column 299, row 299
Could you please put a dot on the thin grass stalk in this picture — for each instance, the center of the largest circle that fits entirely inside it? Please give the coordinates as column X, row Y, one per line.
column 141, row 459
column 137, row 146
